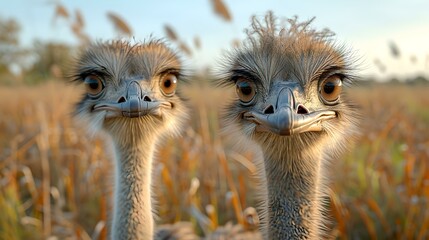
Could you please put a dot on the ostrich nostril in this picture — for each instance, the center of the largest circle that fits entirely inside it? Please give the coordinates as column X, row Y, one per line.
column 147, row 99
column 121, row 100
column 301, row 109
column 269, row 110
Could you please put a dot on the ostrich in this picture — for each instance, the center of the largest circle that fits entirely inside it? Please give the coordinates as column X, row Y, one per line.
column 131, row 96
column 290, row 102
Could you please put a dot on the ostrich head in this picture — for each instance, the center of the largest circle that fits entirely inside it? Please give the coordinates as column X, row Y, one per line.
column 130, row 90
column 289, row 82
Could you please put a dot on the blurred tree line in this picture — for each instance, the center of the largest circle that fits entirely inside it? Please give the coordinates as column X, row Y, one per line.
column 9, row 51
column 43, row 61
column 9, row 41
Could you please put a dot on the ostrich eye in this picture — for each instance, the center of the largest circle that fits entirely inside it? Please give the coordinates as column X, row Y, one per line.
column 94, row 85
column 246, row 90
column 330, row 89
column 168, row 84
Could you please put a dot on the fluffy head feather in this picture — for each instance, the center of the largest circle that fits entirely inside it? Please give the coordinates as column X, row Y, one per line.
column 117, row 63
column 290, row 52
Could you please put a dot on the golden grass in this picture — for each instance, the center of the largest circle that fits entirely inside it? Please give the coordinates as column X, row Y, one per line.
column 382, row 186
column 55, row 180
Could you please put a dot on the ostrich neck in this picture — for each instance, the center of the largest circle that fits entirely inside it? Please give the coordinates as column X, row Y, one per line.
column 293, row 182
column 132, row 218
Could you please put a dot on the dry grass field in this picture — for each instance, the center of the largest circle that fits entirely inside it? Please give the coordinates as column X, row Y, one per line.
column 56, row 179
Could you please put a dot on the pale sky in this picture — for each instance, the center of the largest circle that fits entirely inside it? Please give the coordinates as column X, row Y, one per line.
column 364, row 26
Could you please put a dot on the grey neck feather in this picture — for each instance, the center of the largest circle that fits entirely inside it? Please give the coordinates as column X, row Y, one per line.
column 293, row 192
column 132, row 218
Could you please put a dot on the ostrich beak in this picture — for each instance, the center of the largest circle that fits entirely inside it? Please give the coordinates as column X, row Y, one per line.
column 285, row 119
column 134, row 104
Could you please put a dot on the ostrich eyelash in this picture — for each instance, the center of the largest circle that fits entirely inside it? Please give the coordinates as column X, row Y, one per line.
column 82, row 75
column 238, row 73
column 175, row 71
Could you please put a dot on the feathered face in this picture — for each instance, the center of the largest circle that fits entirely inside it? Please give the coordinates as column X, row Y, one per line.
column 130, row 89
column 289, row 86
